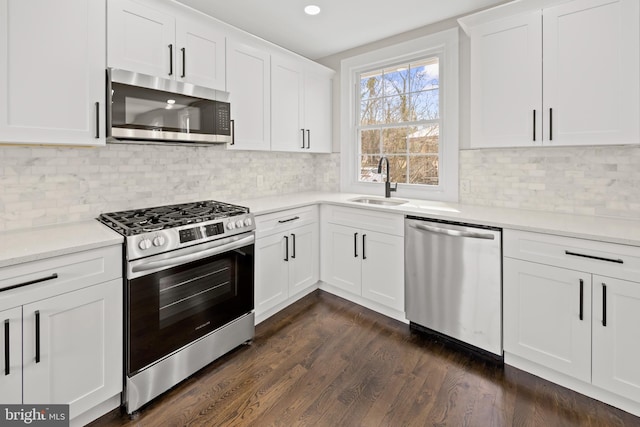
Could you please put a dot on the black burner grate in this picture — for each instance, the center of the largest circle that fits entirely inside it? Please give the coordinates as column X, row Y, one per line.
column 139, row 221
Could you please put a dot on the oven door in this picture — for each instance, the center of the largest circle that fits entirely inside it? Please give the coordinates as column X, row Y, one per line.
column 176, row 298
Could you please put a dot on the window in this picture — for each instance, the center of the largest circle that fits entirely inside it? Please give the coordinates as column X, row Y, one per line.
column 402, row 102
column 399, row 118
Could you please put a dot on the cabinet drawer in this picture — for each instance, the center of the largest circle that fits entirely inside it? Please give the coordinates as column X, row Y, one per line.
column 283, row 221
column 364, row 218
column 607, row 259
column 52, row 276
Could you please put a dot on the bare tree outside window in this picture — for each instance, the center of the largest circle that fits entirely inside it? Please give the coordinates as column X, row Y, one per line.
column 400, row 119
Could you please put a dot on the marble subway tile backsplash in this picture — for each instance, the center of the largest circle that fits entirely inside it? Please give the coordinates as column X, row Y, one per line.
column 602, row 181
column 43, row 185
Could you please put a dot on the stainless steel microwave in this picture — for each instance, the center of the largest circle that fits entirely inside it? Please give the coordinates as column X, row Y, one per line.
column 154, row 109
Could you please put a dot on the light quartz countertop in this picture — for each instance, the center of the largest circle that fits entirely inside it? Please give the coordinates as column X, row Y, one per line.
column 19, row 246
column 604, row 229
column 24, row 245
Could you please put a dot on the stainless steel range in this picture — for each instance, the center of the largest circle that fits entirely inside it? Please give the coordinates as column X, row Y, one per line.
column 188, row 291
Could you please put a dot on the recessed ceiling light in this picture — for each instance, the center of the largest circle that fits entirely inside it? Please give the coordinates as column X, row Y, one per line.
column 312, row 9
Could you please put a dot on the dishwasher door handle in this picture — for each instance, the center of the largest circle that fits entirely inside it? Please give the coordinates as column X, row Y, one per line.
column 454, row 233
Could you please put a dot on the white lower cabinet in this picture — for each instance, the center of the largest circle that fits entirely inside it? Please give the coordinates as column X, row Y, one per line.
column 361, row 260
column 616, row 348
column 571, row 312
column 61, row 325
column 547, row 314
column 11, row 356
column 287, row 258
column 70, row 347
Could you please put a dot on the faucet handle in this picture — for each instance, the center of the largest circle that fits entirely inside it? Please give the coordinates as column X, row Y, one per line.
column 393, row 186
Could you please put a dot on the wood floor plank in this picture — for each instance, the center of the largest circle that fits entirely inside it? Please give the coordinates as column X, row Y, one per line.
column 325, row 361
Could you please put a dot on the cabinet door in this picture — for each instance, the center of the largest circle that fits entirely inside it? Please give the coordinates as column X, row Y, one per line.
column 141, row 39
column 591, row 77
column 79, row 336
column 616, row 304
column 249, row 83
column 287, row 87
column 317, row 112
column 304, row 258
column 547, row 316
column 272, row 272
column 506, row 82
column 11, row 366
column 341, row 258
column 200, row 54
column 383, row 269
column 52, row 68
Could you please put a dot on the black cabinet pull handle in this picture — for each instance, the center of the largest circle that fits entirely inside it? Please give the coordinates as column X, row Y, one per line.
column 581, row 298
column 617, row 261
column 282, row 221
column 364, row 253
column 30, row 282
column 7, row 362
column 293, row 237
column 534, row 125
column 550, row 124
column 308, row 139
column 604, row 304
column 97, row 120
column 233, row 132
column 37, row 336
column 171, row 59
column 286, row 245
column 355, row 245
column 302, row 130
column 184, row 62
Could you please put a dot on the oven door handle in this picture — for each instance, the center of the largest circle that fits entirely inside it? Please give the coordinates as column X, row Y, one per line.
column 193, row 255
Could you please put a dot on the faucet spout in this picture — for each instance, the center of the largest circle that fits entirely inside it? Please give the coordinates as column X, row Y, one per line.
column 387, row 184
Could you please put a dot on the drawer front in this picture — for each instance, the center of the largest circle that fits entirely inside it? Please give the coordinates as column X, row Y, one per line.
column 607, row 259
column 283, row 221
column 364, row 218
column 36, row 280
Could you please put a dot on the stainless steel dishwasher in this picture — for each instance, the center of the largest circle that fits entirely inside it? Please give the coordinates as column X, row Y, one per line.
column 453, row 282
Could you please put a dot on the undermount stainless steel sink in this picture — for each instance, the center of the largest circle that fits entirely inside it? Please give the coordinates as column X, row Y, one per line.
column 379, row 201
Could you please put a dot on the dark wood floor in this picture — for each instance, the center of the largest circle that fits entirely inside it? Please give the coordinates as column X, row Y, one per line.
column 327, row 362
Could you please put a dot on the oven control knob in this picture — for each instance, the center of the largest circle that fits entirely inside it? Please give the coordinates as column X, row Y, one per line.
column 144, row 244
column 239, row 223
column 231, row 225
column 158, row 241
column 247, row 222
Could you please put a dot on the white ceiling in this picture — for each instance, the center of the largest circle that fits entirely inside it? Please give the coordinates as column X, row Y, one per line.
column 341, row 25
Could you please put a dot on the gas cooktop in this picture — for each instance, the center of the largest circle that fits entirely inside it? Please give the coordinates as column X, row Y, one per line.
column 139, row 221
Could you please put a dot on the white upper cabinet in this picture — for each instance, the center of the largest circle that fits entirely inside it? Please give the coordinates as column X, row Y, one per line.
column 300, row 106
column 506, row 82
column 52, row 68
column 152, row 41
column 249, row 85
column 563, row 75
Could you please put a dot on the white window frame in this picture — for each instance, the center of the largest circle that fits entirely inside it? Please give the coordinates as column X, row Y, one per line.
column 444, row 45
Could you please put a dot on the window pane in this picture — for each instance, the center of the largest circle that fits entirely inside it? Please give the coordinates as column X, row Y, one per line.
column 371, row 85
column 424, row 170
column 369, row 168
column 425, row 75
column 394, row 141
column 424, row 140
column 396, row 80
column 370, row 142
column 372, row 111
column 397, row 168
column 426, row 104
